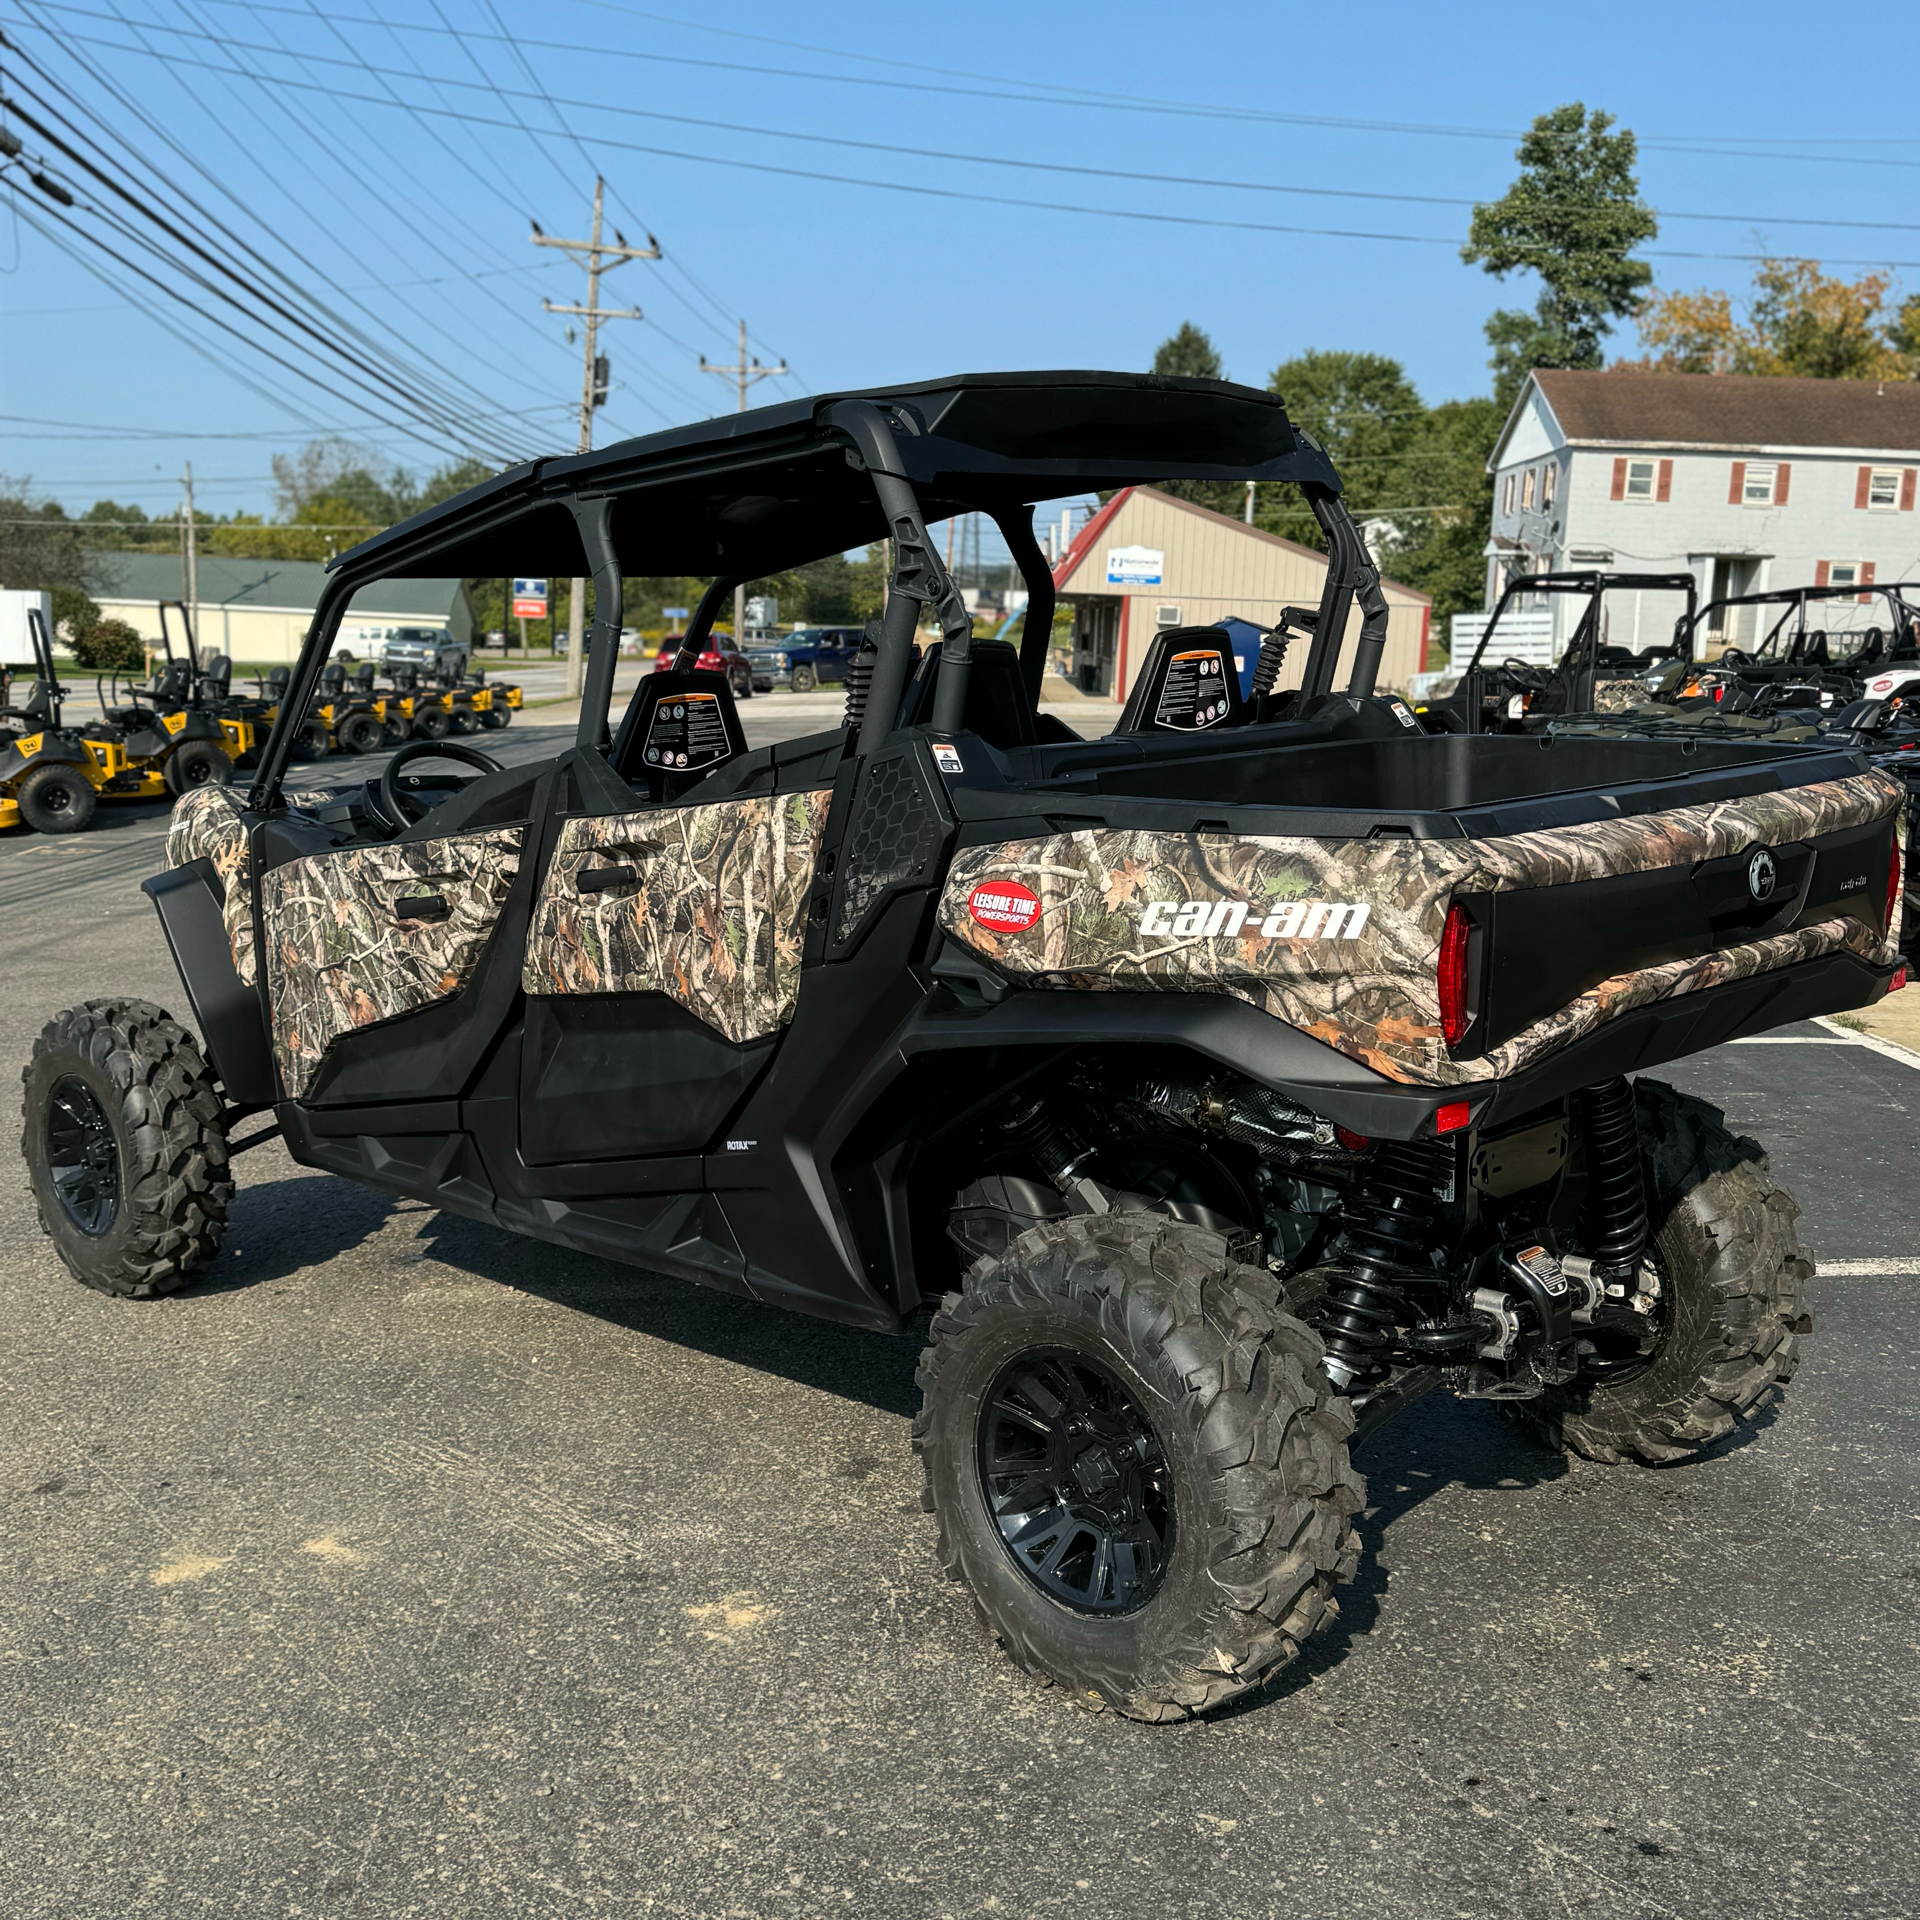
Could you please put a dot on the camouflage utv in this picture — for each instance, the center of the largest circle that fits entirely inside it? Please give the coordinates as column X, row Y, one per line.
column 1204, row 1092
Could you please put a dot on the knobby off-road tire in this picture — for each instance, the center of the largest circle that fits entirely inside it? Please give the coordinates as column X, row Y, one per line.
column 1733, row 1276
column 152, row 1203
column 1253, row 1437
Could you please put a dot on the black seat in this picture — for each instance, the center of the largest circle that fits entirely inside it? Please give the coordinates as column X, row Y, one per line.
column 333, row 679
column 217, row 675
column 998, row 709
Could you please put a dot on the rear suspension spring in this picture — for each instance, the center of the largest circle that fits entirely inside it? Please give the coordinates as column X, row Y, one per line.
column 1616, row 1193
column 1386, row 1228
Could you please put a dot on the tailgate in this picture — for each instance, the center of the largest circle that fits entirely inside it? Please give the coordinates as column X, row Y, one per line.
column 1568, row 926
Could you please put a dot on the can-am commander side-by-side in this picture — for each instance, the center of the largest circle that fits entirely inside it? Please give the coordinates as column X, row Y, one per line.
column 1214, row 1087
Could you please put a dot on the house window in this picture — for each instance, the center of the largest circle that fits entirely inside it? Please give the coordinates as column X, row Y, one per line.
column 1526, row 492
column 1843, row 573
column 1640, row 479
column 1506, row 494
column 1548, row 474
column 1883, row 490
column 1758, row 489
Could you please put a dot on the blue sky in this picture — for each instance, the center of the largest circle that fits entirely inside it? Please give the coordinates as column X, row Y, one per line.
column 395, row 172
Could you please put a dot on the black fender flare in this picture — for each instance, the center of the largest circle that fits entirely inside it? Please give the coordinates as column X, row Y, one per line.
column 233, row 1032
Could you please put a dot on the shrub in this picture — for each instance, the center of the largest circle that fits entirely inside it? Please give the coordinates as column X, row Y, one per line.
column 109, row 645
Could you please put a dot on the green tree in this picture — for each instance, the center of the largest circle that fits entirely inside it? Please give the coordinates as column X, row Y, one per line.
column 1365, row 411
column 1188, row 352
column 1573, row 217
column 1442, row 549
column 39, row 546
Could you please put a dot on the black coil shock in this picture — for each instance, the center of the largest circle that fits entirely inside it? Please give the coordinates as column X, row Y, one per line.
column 1053, row 1146
column 860, row 677
column 1386, row 1227
column 1616, row 1193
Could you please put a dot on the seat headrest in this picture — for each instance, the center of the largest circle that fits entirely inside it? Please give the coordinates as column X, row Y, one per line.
column 998, row 709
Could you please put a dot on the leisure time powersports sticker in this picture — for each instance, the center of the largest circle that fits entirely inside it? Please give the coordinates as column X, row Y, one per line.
column 1004, row 906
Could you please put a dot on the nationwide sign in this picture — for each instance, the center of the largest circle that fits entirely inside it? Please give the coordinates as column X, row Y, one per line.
column 530, row 599
column 1135, row 566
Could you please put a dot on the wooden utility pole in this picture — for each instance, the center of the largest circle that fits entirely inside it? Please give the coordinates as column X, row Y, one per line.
column 190, row 564
column 598, row 258
column 744, row 373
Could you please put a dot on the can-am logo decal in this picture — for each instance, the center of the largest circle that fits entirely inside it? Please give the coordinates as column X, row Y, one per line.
column 1004, row 906
column 1230, row 919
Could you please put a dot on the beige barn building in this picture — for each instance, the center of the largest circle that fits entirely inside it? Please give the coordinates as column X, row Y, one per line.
column 1147, row 561
column 257, row 612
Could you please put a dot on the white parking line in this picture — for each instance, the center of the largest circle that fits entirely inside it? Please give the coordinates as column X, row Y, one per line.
column 1835, row 1036
column 1861, row 1269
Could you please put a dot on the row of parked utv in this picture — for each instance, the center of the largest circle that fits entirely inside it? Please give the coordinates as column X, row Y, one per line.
column 1814, row 664
column 185, row 726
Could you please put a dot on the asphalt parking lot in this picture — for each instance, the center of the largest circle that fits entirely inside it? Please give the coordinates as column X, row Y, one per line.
column 402, row 1568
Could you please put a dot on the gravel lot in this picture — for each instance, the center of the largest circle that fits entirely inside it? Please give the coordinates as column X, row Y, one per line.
column 405, row 1569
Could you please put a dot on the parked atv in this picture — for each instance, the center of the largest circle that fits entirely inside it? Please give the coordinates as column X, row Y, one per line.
column 1205, row 1092
column 1500, row 693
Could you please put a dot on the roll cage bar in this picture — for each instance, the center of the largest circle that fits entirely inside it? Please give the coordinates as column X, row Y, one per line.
column 1778, row 649
column 1585, row 639
column 854, row 468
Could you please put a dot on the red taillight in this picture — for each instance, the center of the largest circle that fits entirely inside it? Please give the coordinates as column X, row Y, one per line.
column 1451, row 976
column 1898, row 981
column 1353, row 1142
column 1893, row 884
column 1720, row 692
column 1452, row 1117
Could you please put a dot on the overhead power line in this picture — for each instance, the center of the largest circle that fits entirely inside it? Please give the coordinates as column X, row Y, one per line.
column 1008, row 162
column 924, row 190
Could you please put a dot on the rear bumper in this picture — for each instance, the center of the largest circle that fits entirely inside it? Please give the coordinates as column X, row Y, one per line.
column 1244, row 1039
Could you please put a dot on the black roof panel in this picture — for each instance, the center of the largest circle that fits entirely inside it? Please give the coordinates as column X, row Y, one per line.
column 752, row 493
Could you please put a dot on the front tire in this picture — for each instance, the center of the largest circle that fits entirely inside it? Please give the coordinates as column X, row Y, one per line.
column 1732, row 1278
column 125, row 1149
column 801, row 680
column 56, row 799
column 1205, row 1447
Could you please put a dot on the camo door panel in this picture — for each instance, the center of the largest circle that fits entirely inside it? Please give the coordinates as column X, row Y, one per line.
column 341, row 956
column 207, row 824
column 714, row 915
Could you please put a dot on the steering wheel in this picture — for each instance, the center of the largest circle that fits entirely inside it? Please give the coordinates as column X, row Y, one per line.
column 401, row 810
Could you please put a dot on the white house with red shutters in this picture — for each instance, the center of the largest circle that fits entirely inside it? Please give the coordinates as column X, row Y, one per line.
column 1747, row 482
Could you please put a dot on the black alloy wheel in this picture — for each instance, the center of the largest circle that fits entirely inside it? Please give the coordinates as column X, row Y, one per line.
column 82, row 1159
column 1077, row 1481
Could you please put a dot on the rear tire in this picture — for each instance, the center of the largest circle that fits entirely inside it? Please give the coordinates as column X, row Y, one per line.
column 1732, row 1276
column 362, row 733
column 431, row 722
column 1236, row 1496
column 56, row 799
column 312, row 742
column 494, row 718
column 462, row 720
column 124, row 1147
column 197, row 763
